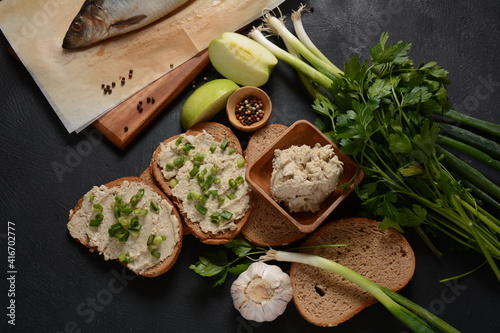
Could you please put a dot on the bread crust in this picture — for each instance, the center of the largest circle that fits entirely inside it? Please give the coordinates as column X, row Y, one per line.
column 219, row 132
column 162, row 266
column 266, row 226
column 326, row 299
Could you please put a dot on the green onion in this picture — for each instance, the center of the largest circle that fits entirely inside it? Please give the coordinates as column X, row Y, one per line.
column 113, row 229
column 396, row 304
column 124, row 257
column 170, row 166
column 221, row 199
column 187, row 148
column 137, row 197
column 213, row 147
column 226, row 215
column 217, row 181
column 94, row 223
column 179, row 161
column 97, row 207
column 173, row 182
column 194, row 171
column 240, row 162
column 141, row 212
column 157, row 240
column 239, row 180
column 155, row 253
column 194, row 195
column 122, row 235
column 154, row 206
column 150, row 240
column 231, row 196
column 91, row 197
column 213, row 170
column 215, row 217
column 199, row 157
column 201, row 209
column 232, row 184
column 232, row 151
column 178, row 141
column 224, row 144
column 134, row 233
column 124, row 222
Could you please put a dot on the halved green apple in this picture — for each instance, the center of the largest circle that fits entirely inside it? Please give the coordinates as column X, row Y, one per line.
column 241, row 59
column 206, row 101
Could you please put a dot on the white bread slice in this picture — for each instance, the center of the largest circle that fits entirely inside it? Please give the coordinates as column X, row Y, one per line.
column 219, row 132
column 324, row 298
column 265, row 226
column 79, row 229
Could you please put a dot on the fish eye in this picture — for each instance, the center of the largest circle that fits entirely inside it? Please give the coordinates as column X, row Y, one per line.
column 77, row 26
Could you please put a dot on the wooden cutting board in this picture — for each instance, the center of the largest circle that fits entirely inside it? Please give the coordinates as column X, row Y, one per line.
column 126, row 121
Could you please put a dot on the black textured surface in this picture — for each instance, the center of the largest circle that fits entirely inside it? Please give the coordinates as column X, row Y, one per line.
column 61, row 287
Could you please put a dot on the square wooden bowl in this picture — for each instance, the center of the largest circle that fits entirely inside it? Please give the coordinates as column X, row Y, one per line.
column 300, row 133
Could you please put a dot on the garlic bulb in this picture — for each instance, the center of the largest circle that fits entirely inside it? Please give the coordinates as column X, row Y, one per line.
column 262, row 292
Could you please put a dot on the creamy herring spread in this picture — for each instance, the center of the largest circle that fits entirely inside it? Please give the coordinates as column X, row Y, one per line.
column 303, row 177
column 153, row 213
column 209, row 180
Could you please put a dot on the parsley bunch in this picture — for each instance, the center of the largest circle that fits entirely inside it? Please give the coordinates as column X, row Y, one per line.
column 382, row 113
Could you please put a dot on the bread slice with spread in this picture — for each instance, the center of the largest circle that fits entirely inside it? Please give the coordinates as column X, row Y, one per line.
column 129, row 220
column 203, row 172
column 385, row 257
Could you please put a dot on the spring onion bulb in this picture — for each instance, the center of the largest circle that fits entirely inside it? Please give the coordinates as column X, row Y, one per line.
column 412, row 315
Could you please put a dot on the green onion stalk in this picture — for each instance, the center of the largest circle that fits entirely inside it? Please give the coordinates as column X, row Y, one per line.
column 412, row 315
column 382, row 113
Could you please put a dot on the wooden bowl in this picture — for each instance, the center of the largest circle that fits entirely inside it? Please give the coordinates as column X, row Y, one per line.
column 300, row 133
column 239, row 95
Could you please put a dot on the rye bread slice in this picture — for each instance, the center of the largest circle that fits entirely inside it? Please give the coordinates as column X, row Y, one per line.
column 219, row 132
column 266, row 226
column 160, row 267
column 385, row 257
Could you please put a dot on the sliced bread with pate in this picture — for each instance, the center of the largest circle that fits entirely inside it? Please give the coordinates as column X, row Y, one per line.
column 129, row 220
column 385, row 257
column 203, row 172
column 266, row 226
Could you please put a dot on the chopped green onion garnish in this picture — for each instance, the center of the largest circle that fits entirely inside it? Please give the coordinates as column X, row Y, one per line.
column 194, row 195
column 179, row 140
column 187, row 147
column 240, row 180
column 157, row 240
column 91, row 198
column 199, row 157
column 140, row 212
column 213, row 170
column 170, row 166
column 150, row 240
column 204, row 198
column 240, row 162
column 122, row 235
column 124, row 257
column 215, row 217
column 134, row 233
column 201, row 178
column 194, row 172
column 221, row 199
column 226, row 215
column 137, row 197
column 154, row 206
column 231, row 196
column 217, row 181
column 179, row 161
column 224, row 144
column 113, row 229
column 155, row 253
column 94, row 223
column 232, row 184
column 213, row 147
column 173, row 182
column 124, row 222
column 233, row 150
column 202, row 209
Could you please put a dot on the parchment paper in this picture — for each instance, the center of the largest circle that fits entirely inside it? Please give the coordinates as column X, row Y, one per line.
column 71, row 80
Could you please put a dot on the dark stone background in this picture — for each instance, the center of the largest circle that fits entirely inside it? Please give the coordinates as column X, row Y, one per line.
column 58, row 279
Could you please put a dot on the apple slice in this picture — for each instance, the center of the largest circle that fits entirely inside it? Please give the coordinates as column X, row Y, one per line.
column 241, row 59
column 206, row 101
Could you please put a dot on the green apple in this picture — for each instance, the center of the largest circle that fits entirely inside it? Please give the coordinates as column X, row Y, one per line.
column 241, row 59
column 206, row 101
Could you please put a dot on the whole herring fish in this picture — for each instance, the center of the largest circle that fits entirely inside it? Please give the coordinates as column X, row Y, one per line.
column 102, row 19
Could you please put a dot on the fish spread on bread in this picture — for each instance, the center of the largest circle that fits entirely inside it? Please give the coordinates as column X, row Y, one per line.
column 128, row 221
column 208, row 178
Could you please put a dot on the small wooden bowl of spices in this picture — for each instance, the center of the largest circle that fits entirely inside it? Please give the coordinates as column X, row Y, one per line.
column 249, row 108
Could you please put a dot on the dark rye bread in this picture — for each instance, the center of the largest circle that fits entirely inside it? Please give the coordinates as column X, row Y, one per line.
column 326, row 299
column 168, row 262
column 265, row 226
column 219, row 132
